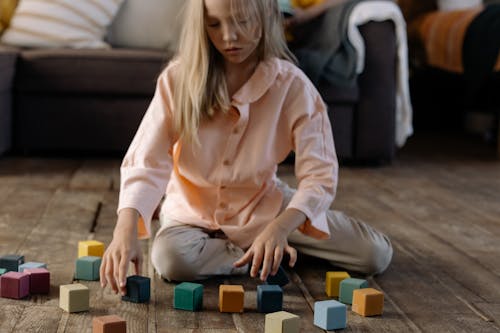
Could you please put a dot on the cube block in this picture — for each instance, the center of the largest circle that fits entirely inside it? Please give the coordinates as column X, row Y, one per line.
column 282, row 322
column 332, row 282
column 138, row 289
column 74, row 297
column 231, row 298
column 39, row 280
column 11, row 262
column 188, row 296
column 280, row 278
column 15, row 285
column 90, row 248
column 2, row 271
column 87, row 268
column 109, row 324
column 347, row 286
column 269, row 298
column 27, row 265
column 368, row 302
column 330, row 315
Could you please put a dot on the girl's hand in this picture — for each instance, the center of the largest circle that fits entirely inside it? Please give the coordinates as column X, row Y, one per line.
column 124, row 247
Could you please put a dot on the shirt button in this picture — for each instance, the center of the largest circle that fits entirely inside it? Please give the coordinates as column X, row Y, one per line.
column 226, row 162
column 223, row 205
column 235, row 130
column 223, row 187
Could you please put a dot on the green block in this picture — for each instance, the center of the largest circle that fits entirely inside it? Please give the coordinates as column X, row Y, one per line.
column 347, row 286
column 3, row 271
column 87, row 268
column 188, row 296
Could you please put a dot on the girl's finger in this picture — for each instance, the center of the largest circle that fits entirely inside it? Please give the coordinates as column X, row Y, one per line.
column 293, row 255
column 122, row 273
column 109, row 272
column 278, row 256
column 256, row 261
column 138, row 265
column 102, row 269
column 245, row 259
column 268, row 262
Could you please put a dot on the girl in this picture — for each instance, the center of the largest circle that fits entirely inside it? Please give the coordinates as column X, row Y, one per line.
column 226, row 111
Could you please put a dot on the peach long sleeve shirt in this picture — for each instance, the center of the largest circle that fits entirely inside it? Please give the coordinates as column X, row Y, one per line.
column 229, row 182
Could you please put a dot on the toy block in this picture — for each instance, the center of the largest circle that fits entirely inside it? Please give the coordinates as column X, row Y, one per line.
column 90, row 248
column 11, row 262
column 332, row 282
column 269, row 298
column 368, row 302
column 231, row 298
column 87, row 268
column 347, row 286
column 27, row 265
column 39, row 280
column 14, row 285
column 2, row 271
column 138, row 289
column 282, row 322
column 188, row 296
column 280, row 278
column 109, row 324
column 330, row 315
column 74, row 297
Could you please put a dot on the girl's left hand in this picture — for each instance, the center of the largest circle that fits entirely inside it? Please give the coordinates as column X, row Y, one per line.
column 267, row 250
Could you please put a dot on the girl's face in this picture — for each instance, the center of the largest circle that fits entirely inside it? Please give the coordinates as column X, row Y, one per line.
column 235, row 37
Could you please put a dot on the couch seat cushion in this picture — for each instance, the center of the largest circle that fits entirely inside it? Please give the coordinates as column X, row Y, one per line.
column 115, row 71
column 7, row 65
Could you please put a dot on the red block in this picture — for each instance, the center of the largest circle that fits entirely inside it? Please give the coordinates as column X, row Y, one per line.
column 15, row 285
column 39, row 280
column 109, row 324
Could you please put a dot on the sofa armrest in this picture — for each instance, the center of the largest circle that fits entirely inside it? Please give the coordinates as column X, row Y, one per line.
column 8, row 58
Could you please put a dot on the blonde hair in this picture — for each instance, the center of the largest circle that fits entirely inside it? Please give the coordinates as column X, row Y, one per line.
column 200, row 85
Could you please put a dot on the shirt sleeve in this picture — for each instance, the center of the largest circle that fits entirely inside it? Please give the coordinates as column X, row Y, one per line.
column 316, row 166
column 147, row 165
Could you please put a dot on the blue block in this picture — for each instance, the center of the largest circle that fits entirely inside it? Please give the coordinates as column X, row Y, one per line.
column 347, row 286
column 87, row 268
column 330, row 315
column 269, row 298
column 188, row 296
column 11, row 262
column 27, row 265
column 138, row 289
column 280, row 279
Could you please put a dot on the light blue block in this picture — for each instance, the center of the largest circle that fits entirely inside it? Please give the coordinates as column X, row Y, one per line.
column 87, row 268
column 28, row 265
column 330, row 315
column 347, row 286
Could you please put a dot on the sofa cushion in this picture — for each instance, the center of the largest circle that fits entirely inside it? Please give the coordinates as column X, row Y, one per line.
column 116, row 71
column 8, row 58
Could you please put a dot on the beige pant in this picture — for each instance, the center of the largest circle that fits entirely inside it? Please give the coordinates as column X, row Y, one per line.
column 182, row 252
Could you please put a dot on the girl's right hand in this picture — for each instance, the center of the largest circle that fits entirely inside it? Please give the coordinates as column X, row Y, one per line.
column 124, row 247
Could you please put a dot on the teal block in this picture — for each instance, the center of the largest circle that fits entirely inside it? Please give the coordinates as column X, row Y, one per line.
column 347, row 286
column 28, row 265
column 138, row 289
column 11, row 262
column 87, row 268
column 330, row 315
column 3, row 271
column 188, row 296
column 269, row 298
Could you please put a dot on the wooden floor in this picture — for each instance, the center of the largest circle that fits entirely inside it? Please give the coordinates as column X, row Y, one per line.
column 439, row 202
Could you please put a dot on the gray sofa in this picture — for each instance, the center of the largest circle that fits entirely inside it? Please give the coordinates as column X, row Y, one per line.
column 91, row 101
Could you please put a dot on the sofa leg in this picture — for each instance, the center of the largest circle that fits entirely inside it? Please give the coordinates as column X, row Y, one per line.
column 498, row 137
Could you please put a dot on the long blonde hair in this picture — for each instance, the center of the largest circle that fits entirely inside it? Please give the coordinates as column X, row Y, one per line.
column 200, row 84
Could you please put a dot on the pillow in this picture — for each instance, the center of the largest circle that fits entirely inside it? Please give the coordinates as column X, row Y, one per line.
column 152, row 24
column 7, row 8
column 61, row 23
column 447, row 5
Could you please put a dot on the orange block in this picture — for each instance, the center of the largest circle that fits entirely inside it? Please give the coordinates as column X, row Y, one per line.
column 109, row 324
column 367, row 302
column 231, row 298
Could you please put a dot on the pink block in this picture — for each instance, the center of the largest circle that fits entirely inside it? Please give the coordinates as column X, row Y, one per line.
column 39, row 280
column 15, row 285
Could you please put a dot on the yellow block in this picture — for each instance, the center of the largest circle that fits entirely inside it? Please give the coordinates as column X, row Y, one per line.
column 367, row 302
column 74, row 297
column 305, row 3
column 90, row 248
column 332, row 282
column 231, row 298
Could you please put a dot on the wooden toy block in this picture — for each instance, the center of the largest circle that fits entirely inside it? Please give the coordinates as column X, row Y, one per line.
column 11, row 262
column 188, row 296
column 231, row 298
column 109, row 324
column 280, row 278
column 332, row 282
column 347, row 286
column 269, row 298
column 27, row 265
column 87, row 268
column 14, row 285
column 2, row 271
column 282, row 322
column 74, row 297
column 90, row 248
column 138, row 289
column 39, row 280
column 368, row 302
column 330, row 315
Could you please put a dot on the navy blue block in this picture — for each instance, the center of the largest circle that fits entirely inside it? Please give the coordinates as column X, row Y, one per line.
column 269, row 298
column 138, row 289
column 281, row 279
column 11, row 262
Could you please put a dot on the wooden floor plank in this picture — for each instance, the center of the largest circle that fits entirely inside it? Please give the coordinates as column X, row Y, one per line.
column 9, row 316
column 38, row 319
column 95, row 175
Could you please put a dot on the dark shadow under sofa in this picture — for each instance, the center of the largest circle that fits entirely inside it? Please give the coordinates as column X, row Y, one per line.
column 78, row 101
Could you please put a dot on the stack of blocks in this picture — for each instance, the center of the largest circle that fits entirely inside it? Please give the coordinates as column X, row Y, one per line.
column 231, row 298
column 87, row 268
column 90, row 248
column 138, row 289
column 74, row 297
column 19, row 279
column 282, row 322
column 109, row 324
column 188, row 296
